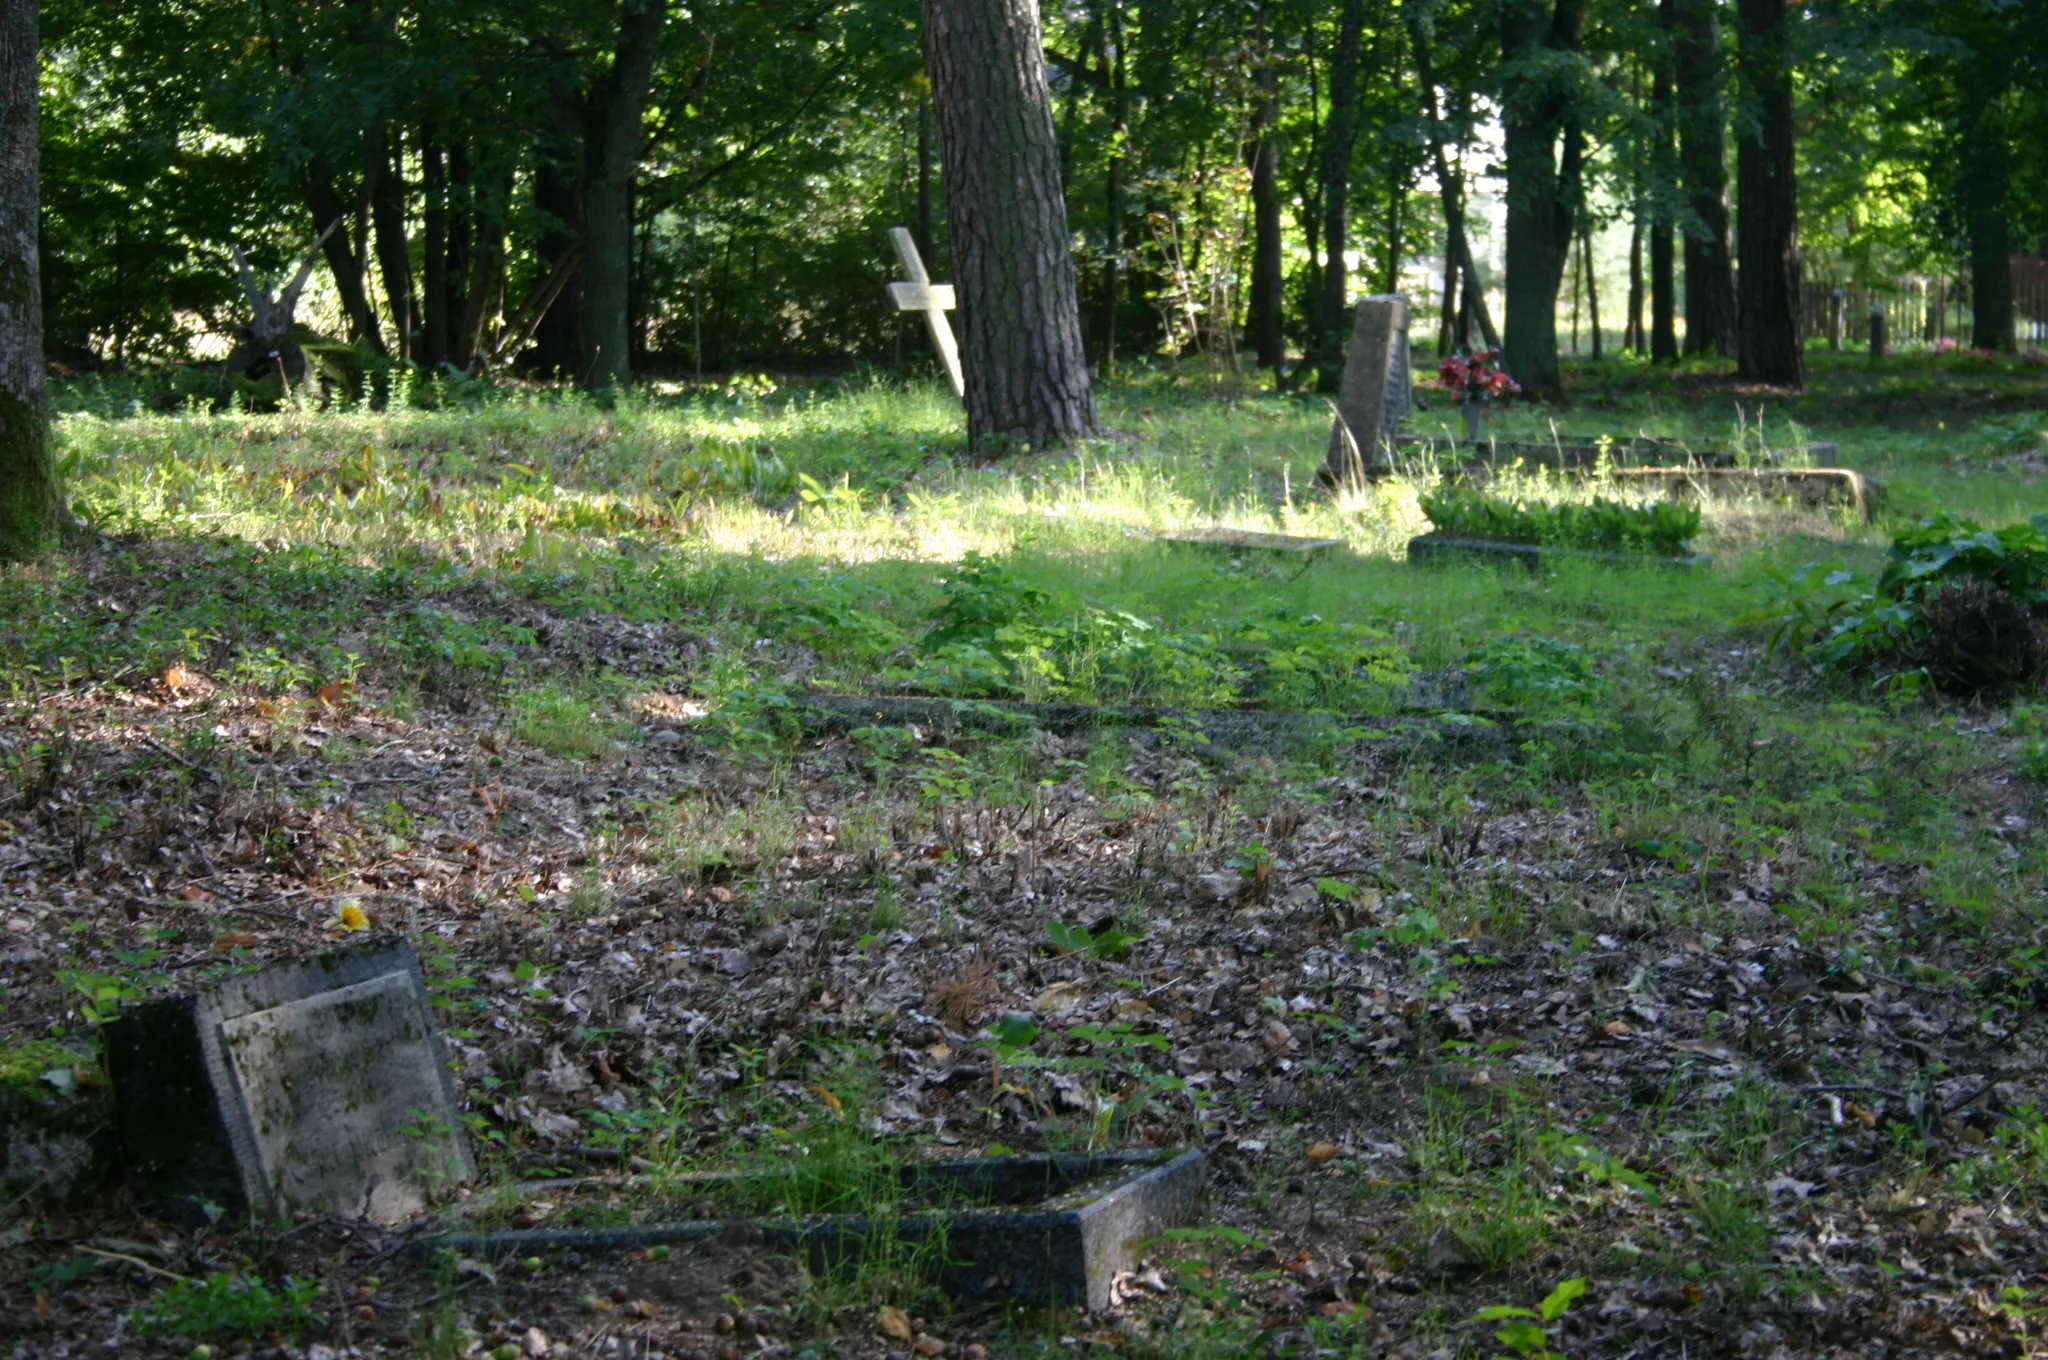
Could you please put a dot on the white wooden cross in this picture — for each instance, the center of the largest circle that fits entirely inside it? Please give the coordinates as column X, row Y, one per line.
column 933, row 299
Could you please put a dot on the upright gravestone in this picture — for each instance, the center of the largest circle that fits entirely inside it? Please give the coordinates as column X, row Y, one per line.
column 1373, row 400
column 1879, row 340
column 318, row 1085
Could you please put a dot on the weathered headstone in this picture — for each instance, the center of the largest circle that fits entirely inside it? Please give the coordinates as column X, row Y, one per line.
column 1880, row 341
column 933, row 299
column 1373, row 400
column 316, row 1085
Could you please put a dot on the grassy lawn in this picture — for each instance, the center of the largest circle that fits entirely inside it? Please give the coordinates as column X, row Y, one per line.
column 1585, row 935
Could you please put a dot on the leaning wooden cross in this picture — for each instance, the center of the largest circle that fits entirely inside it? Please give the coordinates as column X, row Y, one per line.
column 933, row 299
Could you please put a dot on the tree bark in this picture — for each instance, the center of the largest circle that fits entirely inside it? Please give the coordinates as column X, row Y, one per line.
column 394, row 251
column 1545, row 150
column 1020, row 347
column 1341, row 137
column 1769, row 349
column 558, row 195
column 1267, row 290
column 31, row 500
column 1113, row 73
column 1701, row 115
column 615, row 136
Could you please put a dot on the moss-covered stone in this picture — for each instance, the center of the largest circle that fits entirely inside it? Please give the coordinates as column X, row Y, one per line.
column 53, row 1123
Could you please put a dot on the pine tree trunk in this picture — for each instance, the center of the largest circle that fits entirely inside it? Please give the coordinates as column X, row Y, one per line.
column 1544, row 154
column 1710, row 325
column 1769, row 350
column 31, row 502
column 1592, row 289
column 1267, row 290
column 1334, row 323
column 615, row 135
column 1020, row 344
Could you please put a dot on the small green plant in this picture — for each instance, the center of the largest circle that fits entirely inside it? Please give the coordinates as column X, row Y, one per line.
column 1111, row 943
column 1663, row 528
column 228, row 1305
column 1526, row 1331
column 558, row 722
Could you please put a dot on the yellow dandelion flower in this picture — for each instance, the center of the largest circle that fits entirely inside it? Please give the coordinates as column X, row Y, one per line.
column 351, row 916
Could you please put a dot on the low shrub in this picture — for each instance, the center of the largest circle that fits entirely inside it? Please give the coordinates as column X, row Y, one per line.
column 1663, row 528
column 1955, row 606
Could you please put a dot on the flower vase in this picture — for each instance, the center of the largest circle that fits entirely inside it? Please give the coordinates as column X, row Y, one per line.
column 1470, row 407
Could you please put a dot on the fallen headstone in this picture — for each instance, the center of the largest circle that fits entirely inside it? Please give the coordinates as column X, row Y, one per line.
column 318, row 1085
column 1051, row 1229
column 52, row 1123
column 1373, row 399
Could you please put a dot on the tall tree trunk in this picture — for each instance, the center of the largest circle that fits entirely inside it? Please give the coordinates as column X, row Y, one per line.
column 31, row 500
column 1770, row 349
column 387, row 219
column 1450, row 186
column 1267, row 291
column 558, row 196
column 1663, row 273
column 1985, row 183
column 615, row 136
column 434, row 250
column 1663, row 296
column 344, row 253
column 1592, row 288
column 1113, row 74
column 492, row 194
column 924, row 184
column 1545, row 151
column 1632, row 339
column 1338, row 143
column 1026, row 372
column 461, row 246
column 1702, row 119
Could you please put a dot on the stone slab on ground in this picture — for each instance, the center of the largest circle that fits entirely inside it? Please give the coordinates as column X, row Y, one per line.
column 1053, row 1229
column 1440, row 549
column 1248, row 540
column 1579, row 452
column 53, row 1123
column 318, row 1085
column 1809, row 486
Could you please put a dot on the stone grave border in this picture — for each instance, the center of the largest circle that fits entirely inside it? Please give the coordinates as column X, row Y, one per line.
column 1067, row 1247
column 1441, row 549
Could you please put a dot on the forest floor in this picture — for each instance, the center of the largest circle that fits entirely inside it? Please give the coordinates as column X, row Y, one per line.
column 1646, row 958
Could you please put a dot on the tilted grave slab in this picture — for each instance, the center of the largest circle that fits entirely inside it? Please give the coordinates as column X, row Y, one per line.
column 318, row 1085
column 1373, row 397
column 1049, row 1229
